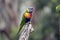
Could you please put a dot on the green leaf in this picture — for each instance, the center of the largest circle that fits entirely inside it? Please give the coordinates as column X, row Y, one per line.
column 58, row 8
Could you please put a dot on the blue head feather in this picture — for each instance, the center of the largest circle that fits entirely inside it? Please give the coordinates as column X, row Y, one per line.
column 30, row 10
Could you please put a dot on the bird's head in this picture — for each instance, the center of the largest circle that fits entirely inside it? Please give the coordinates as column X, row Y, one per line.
column 28, row 13
column 29, row 10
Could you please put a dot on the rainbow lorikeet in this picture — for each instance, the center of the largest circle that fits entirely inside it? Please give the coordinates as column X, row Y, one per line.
column 26, row 18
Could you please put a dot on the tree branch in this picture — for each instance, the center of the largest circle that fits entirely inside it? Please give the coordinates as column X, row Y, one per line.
column 26, row 31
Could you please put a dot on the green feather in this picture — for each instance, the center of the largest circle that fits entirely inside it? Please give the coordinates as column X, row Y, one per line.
column 23, row 22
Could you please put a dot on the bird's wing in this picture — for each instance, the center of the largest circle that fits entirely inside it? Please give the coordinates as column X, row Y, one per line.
column 23, row 22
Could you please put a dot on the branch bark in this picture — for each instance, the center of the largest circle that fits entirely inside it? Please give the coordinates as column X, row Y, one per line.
column 26, row 31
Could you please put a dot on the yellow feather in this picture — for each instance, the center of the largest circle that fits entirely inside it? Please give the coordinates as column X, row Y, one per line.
column 27, row 10
column 27, row 15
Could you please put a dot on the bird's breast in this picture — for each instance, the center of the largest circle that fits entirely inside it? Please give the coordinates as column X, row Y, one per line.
column 27, row 20
column 28, row 15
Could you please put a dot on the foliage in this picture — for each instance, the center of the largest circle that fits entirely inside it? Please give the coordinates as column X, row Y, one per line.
column 58, row 9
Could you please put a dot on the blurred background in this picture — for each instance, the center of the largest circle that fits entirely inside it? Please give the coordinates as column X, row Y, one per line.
column 45, row 18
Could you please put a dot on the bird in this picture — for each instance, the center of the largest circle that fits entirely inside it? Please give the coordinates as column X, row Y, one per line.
column 26, row 18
